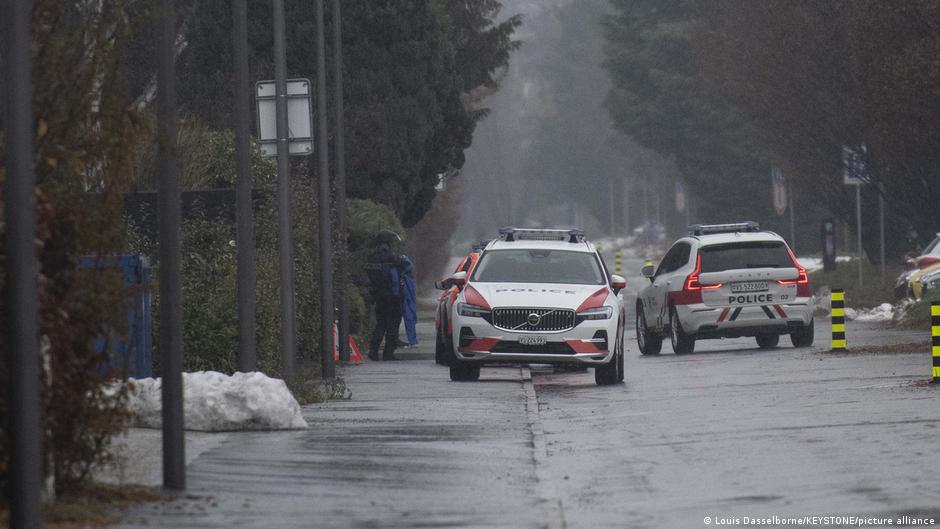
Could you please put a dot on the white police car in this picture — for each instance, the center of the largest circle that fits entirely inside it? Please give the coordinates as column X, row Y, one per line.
column 538, row 296
column 725, row 281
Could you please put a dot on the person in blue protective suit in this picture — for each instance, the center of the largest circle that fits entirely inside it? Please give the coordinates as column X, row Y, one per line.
column 403, row 286
column 384, row 268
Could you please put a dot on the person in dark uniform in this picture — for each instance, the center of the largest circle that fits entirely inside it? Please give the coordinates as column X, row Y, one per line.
column 387, row 304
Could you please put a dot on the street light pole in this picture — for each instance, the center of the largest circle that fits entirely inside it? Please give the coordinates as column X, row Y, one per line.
column 327, row 369
column 339, row 141
column 244, row 222
column 168, row 199
column 285, row 242
column 21, row 300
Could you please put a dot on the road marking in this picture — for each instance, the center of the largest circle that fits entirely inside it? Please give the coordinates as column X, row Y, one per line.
column 551, row 500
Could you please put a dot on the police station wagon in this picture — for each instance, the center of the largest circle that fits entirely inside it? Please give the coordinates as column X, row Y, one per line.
column 725, row 281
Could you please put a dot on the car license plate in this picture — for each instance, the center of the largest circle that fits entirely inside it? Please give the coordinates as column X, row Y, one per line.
column 750, row 286
column 532, row 340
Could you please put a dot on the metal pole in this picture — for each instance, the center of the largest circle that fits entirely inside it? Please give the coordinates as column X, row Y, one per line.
column 858, row 229
column 610, row 197
column 327, row 369
column 626, row 206
column 792, row 219
column 168, row 198
column 21, row 300
column 881, row 229
column 339, row 142
column 285, row 242
column 244, row 222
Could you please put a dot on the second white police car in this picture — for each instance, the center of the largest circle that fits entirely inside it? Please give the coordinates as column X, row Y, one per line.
column 725, row 281
column 538, row 296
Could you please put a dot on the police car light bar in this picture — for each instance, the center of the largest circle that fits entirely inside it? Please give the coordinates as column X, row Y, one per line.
column 705, row 229
column 524, row 234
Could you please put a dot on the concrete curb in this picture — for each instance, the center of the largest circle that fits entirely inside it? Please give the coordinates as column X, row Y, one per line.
column 551, row 501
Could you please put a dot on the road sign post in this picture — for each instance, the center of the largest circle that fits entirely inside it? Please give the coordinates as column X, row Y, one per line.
column 854, row 162
column 285, row 241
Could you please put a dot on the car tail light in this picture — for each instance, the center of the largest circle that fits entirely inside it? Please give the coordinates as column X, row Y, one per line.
column 472, row 297
column 926, row 260
column 692, row 288
column 801, row 282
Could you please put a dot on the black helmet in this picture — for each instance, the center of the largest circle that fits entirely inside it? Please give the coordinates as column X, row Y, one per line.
column 387, row 237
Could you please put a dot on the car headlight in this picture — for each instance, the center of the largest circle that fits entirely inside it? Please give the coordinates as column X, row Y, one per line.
column 473, row 311
column 600, row 313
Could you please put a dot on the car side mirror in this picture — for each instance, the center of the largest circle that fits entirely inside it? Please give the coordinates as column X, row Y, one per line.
column 459, row 279
column 649, row 270
column 617, row 283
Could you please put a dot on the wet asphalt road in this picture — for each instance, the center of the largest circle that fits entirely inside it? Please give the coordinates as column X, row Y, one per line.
column 729, row 431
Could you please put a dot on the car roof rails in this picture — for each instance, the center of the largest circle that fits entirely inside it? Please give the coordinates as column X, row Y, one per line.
column 706, row 229
column 510, row 234
column 480, row 246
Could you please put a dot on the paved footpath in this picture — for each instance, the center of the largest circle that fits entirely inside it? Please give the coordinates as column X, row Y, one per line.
column 409, row 449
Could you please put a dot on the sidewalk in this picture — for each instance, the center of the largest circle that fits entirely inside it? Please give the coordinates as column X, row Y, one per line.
column 410, row 448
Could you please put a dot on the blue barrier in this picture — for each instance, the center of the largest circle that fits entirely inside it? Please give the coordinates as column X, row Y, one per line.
column 131, row 354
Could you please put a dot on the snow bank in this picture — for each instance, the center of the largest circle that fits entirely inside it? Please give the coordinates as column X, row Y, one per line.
column 215, row 402
column 883, row 312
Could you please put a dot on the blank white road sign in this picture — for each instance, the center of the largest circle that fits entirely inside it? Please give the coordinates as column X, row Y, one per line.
column 299, row 117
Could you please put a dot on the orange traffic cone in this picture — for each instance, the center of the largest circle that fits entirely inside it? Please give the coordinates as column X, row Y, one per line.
column 354, row 354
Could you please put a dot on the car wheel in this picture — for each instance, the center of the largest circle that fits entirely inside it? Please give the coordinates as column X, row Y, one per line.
column 804, row 336
column 461, row 372
column 682, row 343
column 438, row 348
column 767, row 341
column 605, row 375
column 620, row 368
column 649, row 343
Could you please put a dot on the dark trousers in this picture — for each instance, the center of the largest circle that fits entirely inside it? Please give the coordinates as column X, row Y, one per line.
column 387, row 321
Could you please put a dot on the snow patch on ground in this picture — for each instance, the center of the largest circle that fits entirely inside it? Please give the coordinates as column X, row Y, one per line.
column 812, row 264
column 216, row 402
column 881, row 313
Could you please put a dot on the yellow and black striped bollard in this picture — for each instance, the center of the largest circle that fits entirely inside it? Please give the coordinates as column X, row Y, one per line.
column 935, row 337
column 838, row 319
column 618, row 268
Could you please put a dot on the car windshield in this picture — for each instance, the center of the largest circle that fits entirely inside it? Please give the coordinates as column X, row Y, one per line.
column 933, row 248
column 734, row 256
column 538, row 266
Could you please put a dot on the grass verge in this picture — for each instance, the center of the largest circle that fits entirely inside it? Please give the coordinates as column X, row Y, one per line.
column 876, row 289
column 309, row 388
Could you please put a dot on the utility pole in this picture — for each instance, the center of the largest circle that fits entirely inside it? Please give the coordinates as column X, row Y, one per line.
column 168, row 200
column 327, row 368
column 881, row 228
column 626, row 206
column 21, row 300
column 792, row 218
column 858, row 226
column 244, row 222
column 610, row 195
column 285, row 242
column 339, row 142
